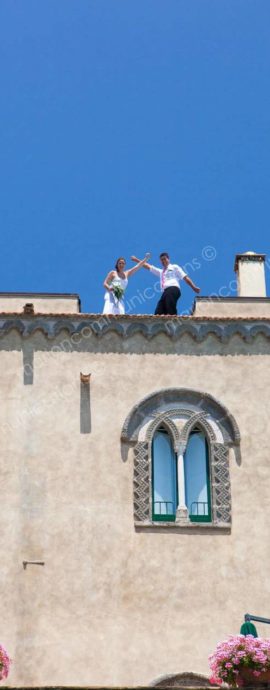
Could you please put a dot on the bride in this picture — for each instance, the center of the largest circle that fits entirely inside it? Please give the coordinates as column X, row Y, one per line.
column 116, row 283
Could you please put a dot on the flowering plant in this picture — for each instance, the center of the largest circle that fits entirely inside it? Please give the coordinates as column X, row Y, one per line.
column 236, row 653
column 4, row 663
column 118, row 291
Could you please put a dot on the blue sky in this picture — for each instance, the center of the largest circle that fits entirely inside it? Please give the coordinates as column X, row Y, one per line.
column 130, row 126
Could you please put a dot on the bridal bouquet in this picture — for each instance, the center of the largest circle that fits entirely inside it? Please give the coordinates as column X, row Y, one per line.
column 4, row 663
column 118, row 292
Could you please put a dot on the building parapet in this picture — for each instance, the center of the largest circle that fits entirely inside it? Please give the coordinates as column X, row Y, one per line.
column 44, row 302
column 232, row 307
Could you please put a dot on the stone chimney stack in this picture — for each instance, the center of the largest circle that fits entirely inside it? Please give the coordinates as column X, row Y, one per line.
column 250, row 271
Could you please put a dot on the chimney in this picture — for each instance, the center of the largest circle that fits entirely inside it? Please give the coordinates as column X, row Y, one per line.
column 28, row 308
column 249, row 268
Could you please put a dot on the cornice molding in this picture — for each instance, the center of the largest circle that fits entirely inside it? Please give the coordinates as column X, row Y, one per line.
column 127, row 326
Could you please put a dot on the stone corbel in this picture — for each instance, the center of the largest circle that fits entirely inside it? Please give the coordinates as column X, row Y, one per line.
column 85, row 378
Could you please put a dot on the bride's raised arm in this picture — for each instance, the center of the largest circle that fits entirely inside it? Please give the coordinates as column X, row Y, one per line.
column 141, row 263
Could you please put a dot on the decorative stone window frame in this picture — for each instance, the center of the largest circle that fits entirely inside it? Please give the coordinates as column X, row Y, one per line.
column 201, row 410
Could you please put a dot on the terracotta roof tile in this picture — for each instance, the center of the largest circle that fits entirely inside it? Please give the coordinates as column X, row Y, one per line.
column 133, row 317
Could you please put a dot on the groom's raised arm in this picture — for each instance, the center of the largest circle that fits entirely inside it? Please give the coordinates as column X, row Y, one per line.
column 153, row 269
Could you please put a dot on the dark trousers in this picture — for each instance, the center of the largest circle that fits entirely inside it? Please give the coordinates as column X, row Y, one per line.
column 168, row 301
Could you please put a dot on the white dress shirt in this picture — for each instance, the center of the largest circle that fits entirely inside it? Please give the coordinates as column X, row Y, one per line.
column 170, row 276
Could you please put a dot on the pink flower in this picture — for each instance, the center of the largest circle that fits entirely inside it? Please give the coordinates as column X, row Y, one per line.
column 4, row 663
column 238, row 650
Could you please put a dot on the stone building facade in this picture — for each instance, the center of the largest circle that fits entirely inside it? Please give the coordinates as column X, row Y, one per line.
column 102, row 584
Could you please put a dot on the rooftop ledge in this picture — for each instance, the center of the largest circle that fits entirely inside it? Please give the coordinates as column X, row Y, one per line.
column 53, row 313
column 69, row 304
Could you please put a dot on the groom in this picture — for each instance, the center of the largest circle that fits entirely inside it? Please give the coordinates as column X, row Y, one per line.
column 170, row 276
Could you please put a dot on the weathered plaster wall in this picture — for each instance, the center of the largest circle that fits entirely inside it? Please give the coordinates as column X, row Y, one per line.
column 45, row 304
column 232, row 308
column 112, row 605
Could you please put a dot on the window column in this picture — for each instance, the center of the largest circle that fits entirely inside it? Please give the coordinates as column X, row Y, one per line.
column 181, row 511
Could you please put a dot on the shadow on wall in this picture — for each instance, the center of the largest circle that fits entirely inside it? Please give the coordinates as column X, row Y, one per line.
column 28, row 362
column 85, row 407
column 182, row 680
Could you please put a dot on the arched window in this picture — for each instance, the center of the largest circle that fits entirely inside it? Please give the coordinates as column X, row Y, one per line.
column 197, row 477
column 181, row 473
column 164, row 477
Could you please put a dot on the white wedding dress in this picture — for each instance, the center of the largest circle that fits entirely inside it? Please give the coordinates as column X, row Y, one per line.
column 112, row 305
